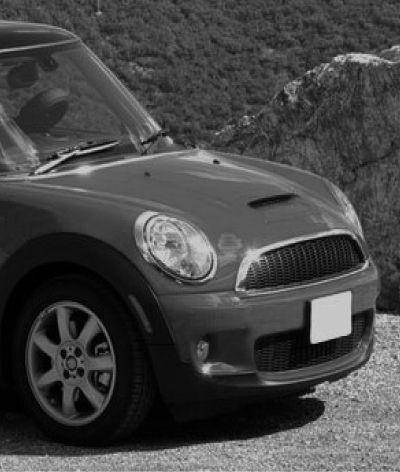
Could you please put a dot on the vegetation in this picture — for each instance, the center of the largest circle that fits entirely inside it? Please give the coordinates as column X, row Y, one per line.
column 198, row 64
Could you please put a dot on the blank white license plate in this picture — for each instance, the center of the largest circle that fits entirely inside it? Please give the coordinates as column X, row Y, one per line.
column 330, row 317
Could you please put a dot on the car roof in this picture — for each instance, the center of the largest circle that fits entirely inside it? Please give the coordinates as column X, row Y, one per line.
column 19, row 35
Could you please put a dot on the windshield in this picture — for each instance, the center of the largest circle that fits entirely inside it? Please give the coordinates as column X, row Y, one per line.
column 57, row 98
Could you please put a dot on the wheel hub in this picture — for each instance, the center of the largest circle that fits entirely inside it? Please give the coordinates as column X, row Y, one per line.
column 71, row 363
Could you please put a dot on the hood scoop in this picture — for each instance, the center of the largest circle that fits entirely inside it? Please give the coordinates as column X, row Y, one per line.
column 260, row 202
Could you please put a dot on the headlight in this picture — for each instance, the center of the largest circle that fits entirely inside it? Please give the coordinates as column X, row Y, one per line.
column 175, row 246
column 348, row 209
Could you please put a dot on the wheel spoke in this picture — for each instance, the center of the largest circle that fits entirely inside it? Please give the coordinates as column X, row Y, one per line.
column 45, row 344
column 100, row 363
column 63, row 317
column 88, row 332
column 94, row 397
column 68, row 403
column 48, row 378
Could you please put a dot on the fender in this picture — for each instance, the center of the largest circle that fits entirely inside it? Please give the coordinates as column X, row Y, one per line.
column 94, row 256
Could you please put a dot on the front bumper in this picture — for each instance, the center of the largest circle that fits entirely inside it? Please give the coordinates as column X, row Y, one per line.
column 232, row 324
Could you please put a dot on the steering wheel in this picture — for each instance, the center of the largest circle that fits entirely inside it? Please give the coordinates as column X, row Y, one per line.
column 43, row 111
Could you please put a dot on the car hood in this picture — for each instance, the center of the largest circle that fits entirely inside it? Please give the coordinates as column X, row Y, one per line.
column 222, row 194
column 166, row 177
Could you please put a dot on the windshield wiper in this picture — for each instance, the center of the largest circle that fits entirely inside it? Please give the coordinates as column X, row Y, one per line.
column 81, row 149
column 162, row 133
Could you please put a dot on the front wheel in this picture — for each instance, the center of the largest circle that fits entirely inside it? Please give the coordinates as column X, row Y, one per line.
column 80, row 366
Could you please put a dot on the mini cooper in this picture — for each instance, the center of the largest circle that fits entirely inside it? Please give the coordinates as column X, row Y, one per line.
column 136, row 272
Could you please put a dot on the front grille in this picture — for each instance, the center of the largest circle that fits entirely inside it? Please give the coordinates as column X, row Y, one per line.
column 304, row 262
column 293, row 350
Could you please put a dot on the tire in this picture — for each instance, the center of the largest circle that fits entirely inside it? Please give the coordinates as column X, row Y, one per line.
column 80, row 367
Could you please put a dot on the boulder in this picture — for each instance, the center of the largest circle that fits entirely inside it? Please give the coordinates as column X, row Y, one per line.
column 341, row 120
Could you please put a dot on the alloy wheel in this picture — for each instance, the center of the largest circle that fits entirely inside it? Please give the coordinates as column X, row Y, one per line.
column 70, row 363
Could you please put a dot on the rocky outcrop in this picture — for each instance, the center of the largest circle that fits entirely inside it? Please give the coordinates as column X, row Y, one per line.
column 342, row 120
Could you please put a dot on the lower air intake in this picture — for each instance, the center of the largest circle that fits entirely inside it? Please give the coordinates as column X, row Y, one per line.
column 289, row 351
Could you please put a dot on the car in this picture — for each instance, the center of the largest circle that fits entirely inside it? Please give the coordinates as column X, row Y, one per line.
column 138, row 272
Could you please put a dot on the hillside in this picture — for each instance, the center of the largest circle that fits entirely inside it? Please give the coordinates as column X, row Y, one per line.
column 197, row 64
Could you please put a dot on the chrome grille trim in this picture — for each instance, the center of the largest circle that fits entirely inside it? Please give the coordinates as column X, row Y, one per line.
column 254, row 255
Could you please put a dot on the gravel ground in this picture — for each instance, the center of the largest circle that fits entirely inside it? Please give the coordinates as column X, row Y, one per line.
column 353, row 424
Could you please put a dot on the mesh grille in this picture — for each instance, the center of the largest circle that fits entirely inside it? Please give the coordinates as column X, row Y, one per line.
column 303, row 262
column 293, row 350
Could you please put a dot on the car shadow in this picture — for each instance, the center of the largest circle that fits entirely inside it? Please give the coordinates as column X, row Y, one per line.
column 19, row 436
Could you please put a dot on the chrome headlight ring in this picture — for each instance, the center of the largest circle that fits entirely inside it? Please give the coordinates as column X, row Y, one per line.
column 175, row 246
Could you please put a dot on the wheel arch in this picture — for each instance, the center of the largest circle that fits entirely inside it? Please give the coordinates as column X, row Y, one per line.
column 50, row 256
